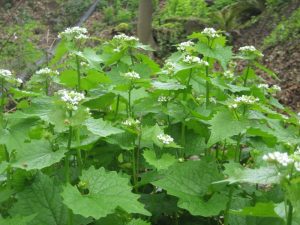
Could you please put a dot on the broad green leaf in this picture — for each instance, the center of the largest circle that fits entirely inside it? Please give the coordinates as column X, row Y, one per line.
column 138, row 222
column 167, row 85
column 237, row 174
column 42, row 199
column 107, row 191
column 259, row 210
column 162, row 163
column 37, row 154
column 225, row 125
column 100, row 127
column 190, row 182
column 17, row 220
column 16, row 133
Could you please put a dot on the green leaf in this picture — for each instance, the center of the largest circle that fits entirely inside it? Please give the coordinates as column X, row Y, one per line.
column 162, row 163
column 107, row 191
column 17, row 220
column 42, row 199
column 101, row 128
column 260, row 210
column 238, row 174
column 190, row 182
column 167, row 86
column 225, row 125
column 138, row 222
column 37, row 154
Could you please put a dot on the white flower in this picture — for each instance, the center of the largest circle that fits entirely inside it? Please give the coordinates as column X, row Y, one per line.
column 210, row 32
column 20, row 81
column 278, row 157
column 163, row 98
column 166, row 139
column 170, row 67
column 297, row 166
column 71, row 98
column 228, row 74
column 79, row 33
column 233, row 106
column 117, row 49
column 184, row 45
column 131, row 122
column 5, row 73
column 276, row 88
column 132, row 75
column 46, row 71
column 250, row 48
column 194, row 59
column 246, row 99
column 263, row 86
column 84, row 64
column 124, row 37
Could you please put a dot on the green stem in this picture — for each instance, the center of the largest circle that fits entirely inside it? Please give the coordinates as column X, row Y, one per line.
column 228, row 205
column 129, row 101
column 207, row 87
column 290, row 213
column 183, row 129
column 117, row 107
column 79, row 158
column 189, row 78
column 134, row 174
column 2, row 103
column 78, row 74
column 46, row 85
column 238, row 149
column 246, row 76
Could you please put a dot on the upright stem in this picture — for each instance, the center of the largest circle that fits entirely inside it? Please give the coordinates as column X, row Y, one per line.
column 134, row 174
column 67, row 168
column 228, row 205
column 190, row 77
column 290, row 213
column 183, row 128
column 2, row 103
column 246, row 76
column 47, row 85
column 78, row 74
column 129, row 101
column 117, row 107
column 207, row 87
column 79, row 158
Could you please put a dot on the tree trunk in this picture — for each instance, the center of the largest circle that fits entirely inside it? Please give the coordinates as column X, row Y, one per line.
column 144, row 28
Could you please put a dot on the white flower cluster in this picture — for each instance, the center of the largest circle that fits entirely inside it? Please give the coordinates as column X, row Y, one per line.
column 47, row 71
column 284, row 159
column 79, row 33
column 184, row 45
column 124, row 37
column 210, row 32
column 228, row 74
column 244, row 99
column 132, row 75
column 276, row 88
column 278, row 157
column 170, row 67
column 131, row 122
column 250, row 50
column 163, row 98
column 71, row 98
column 194, row 59
column 263, row 86
column 166, row 139
column 5, row 73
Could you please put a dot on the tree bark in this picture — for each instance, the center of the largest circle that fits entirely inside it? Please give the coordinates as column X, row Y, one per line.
column 144, row 28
